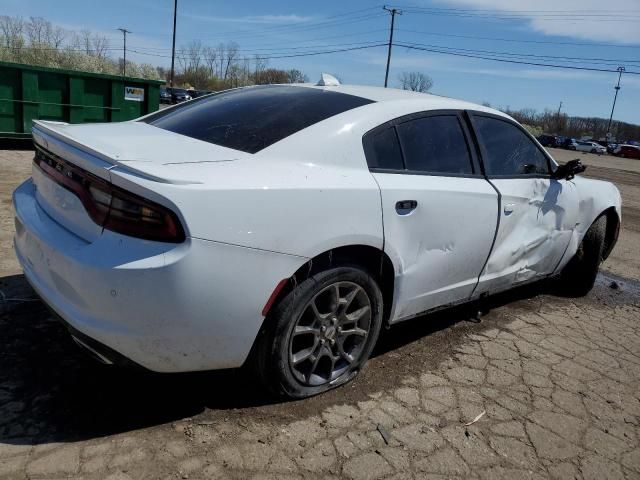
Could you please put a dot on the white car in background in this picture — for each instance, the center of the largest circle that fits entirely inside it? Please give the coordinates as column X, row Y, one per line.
column 283, row 226
column 591, row 147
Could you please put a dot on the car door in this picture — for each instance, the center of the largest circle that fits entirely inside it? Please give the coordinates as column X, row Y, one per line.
column 537, row 212
column 439, row 213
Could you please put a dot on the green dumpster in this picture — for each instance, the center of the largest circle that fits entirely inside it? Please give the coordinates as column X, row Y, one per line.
column 39, row 93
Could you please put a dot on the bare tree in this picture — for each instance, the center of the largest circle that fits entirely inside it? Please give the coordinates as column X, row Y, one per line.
column 58, row 36
column 296, row 76
column 416, row 81
column 12, row 29
column 232, row 53
column 210, row 56
column 99, row 45
column 38, row 31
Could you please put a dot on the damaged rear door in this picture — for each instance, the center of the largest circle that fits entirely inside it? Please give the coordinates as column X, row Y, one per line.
column 537, row 213
column 439, row 212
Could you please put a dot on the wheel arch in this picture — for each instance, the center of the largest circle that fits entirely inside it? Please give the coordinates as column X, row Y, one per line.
column 375, row 261
column 612, row 230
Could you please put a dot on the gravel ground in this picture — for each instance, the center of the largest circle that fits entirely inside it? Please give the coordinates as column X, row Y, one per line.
column 557, row 379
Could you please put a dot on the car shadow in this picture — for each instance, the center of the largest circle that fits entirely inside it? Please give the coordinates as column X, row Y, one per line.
column 51, row 391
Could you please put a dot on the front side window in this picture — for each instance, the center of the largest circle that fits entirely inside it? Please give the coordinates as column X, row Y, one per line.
column 508, row 150
column 435, row 144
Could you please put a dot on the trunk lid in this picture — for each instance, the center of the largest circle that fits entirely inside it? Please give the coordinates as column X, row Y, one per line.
column 139, row 147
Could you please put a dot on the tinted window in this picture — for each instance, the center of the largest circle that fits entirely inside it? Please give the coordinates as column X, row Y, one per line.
column 251, row 119
column 435, row 144
column 384, row 150
column 509, row 150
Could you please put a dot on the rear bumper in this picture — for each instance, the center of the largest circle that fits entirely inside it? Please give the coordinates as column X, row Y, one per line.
column 167, row 307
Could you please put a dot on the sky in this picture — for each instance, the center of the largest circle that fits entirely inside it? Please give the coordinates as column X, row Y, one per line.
column 559, row 32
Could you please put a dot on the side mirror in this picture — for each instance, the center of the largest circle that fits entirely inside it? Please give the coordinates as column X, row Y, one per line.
column 569, row 170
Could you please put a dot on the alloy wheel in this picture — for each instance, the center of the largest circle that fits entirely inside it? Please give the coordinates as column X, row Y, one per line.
column 330, row 334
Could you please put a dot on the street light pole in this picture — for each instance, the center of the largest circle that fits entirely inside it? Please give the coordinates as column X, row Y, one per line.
column 124, row 65
column 173, row 48
column 615, row 97
column 393, row 12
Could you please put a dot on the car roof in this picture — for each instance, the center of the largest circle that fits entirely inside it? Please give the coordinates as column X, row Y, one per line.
column 424, row 101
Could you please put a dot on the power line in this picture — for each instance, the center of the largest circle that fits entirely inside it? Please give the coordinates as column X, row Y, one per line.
column 595, row 61
column 268, row 57
column 521, row 62
column 546, row 42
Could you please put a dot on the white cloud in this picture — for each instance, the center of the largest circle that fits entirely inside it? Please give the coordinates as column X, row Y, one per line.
column 607, row 29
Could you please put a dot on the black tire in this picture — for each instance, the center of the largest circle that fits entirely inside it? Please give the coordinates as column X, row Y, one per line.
column 274, row 360
column 579, row 275
column 593, row 150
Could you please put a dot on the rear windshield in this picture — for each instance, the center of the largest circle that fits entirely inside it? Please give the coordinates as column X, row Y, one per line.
column 250, row 119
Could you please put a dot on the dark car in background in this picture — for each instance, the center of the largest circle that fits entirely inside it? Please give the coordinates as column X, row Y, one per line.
column 627, row 151
column 570, row 144
column 165, row 95
column 200, row 93
column 548, row 140
column 179, row 95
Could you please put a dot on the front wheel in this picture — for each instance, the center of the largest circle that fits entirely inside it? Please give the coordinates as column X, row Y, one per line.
column 321, row 333
column 579, row 275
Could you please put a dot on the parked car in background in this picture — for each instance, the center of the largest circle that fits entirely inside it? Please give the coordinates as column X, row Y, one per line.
column 611, row 147
column 200, row 93
column 281, row 227
column 591, row 147
column 165, row 95
column 570, row 144
column 548, row 140
column 627, row 151
column 179, row 95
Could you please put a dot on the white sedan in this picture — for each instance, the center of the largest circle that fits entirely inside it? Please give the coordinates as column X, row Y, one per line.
column 591, row 147
column 282, row 226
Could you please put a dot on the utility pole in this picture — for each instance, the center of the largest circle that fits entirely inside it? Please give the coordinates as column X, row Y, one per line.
column 617, row 87
column 558, row 119
column 173, row 48
column 393, row 12
column 124, row 65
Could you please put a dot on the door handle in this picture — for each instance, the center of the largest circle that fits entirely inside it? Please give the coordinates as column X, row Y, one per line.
column 405, row 207
column 508, row 208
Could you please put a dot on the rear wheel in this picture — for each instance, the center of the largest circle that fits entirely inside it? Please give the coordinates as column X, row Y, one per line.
column 321, row 333
column 579, row 275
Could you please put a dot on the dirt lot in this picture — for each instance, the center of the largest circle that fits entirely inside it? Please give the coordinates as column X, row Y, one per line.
column 558, row 378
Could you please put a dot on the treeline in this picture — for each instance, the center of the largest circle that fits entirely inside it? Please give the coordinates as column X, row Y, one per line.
column 215, row 68
column 37, row 41
column 549, row 121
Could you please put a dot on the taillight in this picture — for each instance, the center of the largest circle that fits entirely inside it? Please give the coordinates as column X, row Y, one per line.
column 112, row 207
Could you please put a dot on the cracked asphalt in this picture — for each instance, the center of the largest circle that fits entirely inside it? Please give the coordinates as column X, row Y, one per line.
column 553, row 384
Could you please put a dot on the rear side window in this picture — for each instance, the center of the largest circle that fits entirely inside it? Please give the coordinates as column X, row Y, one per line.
column 508, row 150
column 384, row 151
column 250, row 119
column 435, row 144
